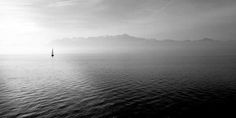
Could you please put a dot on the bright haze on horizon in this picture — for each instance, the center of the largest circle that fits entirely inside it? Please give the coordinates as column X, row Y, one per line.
column 28, row 26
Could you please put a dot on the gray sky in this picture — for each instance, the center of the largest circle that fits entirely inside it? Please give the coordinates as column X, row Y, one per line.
column 43, row 20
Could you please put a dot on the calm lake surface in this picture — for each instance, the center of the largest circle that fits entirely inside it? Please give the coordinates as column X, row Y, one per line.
column 117, row 85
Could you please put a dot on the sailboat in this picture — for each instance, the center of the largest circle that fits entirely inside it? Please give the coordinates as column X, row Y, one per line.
column 52, row 55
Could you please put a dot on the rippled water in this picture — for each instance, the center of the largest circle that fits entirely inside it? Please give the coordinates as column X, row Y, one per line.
column 121, row 85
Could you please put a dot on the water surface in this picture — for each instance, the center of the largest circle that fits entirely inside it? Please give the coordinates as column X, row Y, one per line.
column 117, row 85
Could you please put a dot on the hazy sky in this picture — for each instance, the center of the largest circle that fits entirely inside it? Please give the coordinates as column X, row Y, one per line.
column 38, row 21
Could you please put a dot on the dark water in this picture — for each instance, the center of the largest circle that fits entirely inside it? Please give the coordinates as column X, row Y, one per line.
column 118, row 85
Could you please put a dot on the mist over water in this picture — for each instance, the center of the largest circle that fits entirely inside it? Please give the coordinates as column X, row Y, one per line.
column 117, row 58
column 161, row 83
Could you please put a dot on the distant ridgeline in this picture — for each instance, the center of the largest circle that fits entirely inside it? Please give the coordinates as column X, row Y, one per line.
column 127, row 42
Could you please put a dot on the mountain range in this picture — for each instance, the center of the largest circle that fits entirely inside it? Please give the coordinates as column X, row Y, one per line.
column 125, row 42
column 120, row 40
